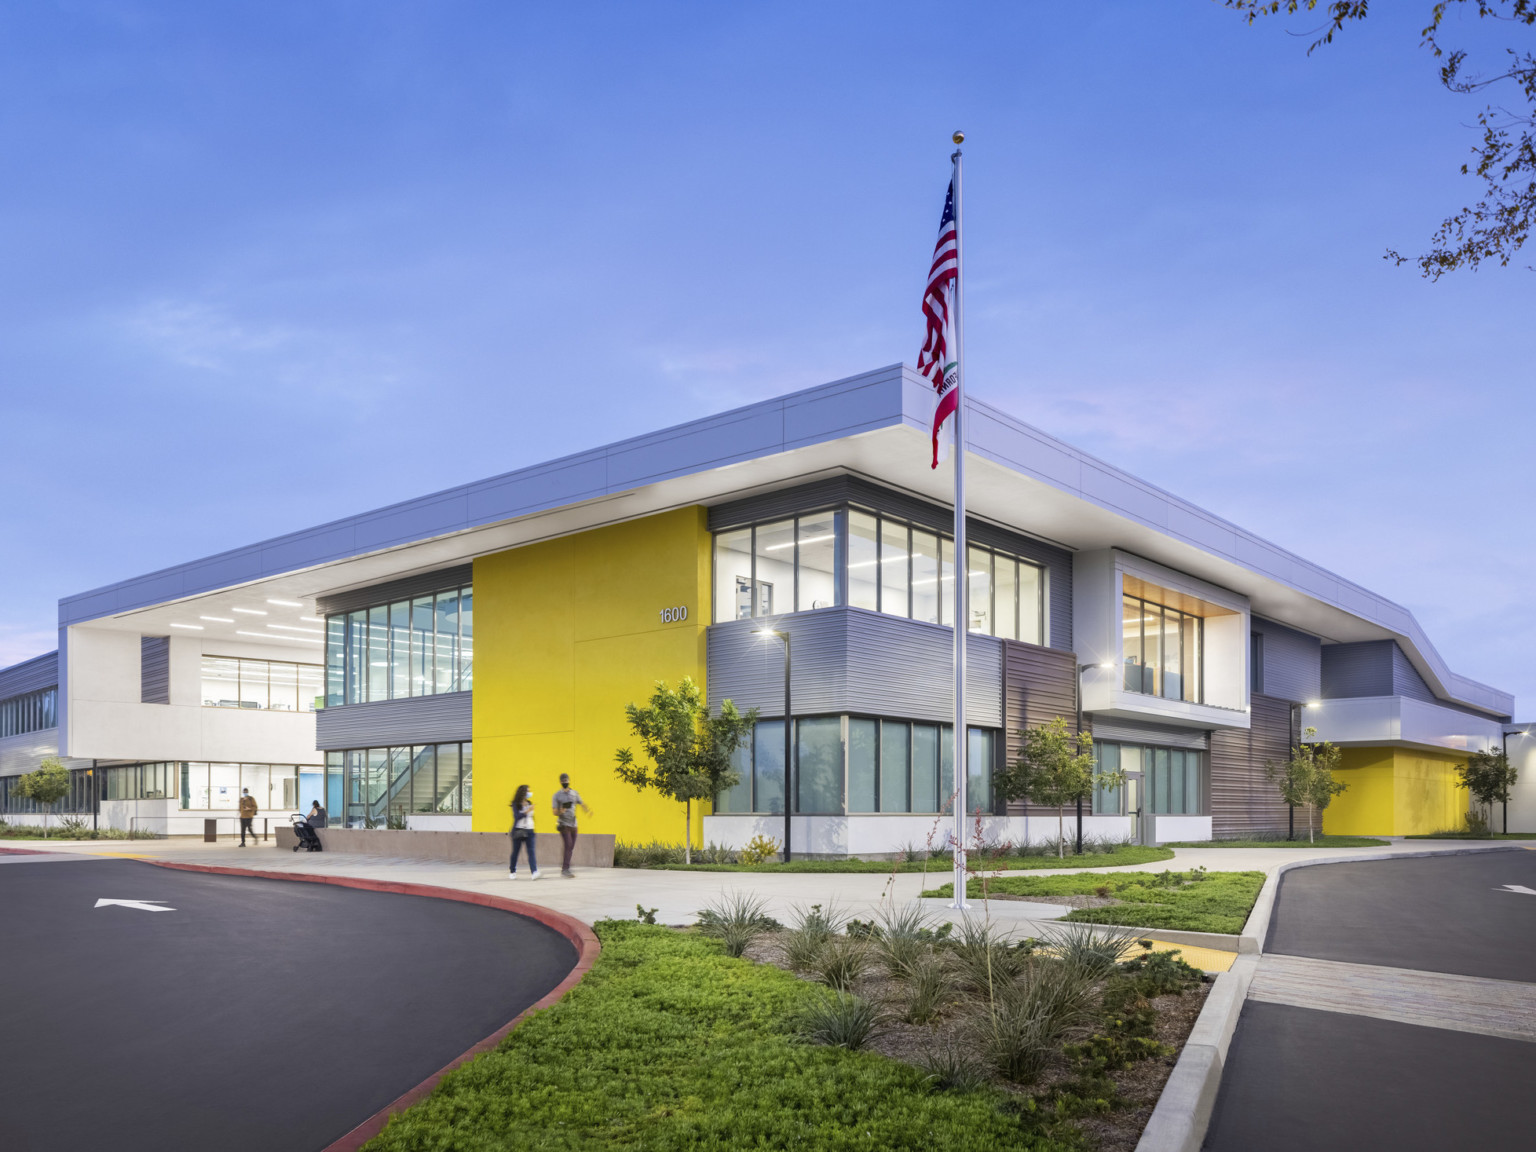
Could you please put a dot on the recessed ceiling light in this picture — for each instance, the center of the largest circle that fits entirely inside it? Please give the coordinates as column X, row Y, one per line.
column 249, row 611
column 286, row 603
column 311, row 619
column 296, row 628
column 194, row 627
column 279, row 636
column 217, row 619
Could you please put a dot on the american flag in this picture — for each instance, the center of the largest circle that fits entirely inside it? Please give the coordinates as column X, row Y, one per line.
column 935, row 361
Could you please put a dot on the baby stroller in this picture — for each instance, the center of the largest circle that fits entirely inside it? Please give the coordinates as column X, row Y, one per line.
column 307, row 838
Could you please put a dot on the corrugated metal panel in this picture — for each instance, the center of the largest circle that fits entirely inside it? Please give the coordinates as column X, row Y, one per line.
column 29, row 676
column 1406, row 680
column 418, row 720
column 822, row 494
column 1293, row 662
column 1040, row 685
column 440, row 581
column 1362, row 669
column 850, row 660
column 154, row 669
column 1244, row 802
column 1160, row 735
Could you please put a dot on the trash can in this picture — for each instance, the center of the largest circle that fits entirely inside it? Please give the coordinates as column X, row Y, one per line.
column 210, row 831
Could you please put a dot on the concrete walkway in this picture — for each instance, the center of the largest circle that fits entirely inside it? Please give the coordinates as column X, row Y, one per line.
column 600, row 893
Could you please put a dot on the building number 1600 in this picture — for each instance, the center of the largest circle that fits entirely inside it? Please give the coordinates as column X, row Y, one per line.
column 673, row 615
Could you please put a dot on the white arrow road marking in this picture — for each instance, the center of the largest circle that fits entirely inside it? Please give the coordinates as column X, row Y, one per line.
column 1521, row 888
column 142, row 905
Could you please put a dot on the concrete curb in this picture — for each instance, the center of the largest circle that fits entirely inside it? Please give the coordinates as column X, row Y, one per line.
column 580, row 935
column 1183, row 1114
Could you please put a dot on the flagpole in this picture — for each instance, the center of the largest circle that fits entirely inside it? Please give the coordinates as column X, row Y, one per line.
column 962, row 568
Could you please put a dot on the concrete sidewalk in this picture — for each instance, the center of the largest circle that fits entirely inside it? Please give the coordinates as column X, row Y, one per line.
column 599, row 893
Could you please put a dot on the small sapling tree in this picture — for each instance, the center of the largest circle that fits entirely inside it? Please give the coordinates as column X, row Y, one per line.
column 46, row 787
column 1307, row 778
column 689, row 750
column 1054, row 768
column 1488, row 777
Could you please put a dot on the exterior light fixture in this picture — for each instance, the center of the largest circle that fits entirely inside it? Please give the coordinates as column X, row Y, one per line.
column 1314, row 703
column 218, row 619
column 286, row 603
column 249, row 611
column 194, row 627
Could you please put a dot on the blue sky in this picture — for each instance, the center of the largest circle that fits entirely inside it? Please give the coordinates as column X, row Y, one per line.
column 267, row 264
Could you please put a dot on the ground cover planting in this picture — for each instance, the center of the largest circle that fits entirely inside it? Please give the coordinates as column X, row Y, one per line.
column 1194, row 901
column 1280, row 842
column 828, row 1034
column 994, row 858
column 69, row 828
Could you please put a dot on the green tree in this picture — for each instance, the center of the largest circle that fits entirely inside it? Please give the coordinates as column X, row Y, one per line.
column 47, row 786
column 1500, row 222
column 689, row 750
column 1054, row 768
column 1307, row 778
column 1489, row 777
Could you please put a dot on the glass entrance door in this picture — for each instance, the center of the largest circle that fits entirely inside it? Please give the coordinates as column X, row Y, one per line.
column 1133, row 806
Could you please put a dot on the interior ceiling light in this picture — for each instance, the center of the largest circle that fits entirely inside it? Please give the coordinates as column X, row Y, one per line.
column 311, row 619
column 296, row 628
column 218, row 619
column 194, row 627
column 249, row 611
column 286, row 603
column 279, row 636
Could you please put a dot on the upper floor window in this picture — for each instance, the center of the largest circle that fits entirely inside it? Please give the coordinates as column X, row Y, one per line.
column 31, row 712
column 874, row 562
column 268, row 685
column 1163, row 647
column 416, row 647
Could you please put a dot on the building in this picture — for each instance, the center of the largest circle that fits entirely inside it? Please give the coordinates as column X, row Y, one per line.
column 418, row 662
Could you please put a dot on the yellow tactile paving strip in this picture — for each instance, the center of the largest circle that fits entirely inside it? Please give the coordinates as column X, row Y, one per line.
column 1205, row 959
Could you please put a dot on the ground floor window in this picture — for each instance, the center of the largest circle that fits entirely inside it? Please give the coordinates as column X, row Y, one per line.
column 372, row 787
column 1159, row 781
column 77, row 801
column 215, row 786
column 860, row 764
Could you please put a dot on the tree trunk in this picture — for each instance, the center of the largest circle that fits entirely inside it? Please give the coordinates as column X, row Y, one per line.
column 1311, row 810
column 1061, row 834
column 687, row 831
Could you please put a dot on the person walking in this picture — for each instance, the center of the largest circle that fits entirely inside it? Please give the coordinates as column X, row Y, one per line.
column 565, row 804
column 247, row 815
column 522, row 831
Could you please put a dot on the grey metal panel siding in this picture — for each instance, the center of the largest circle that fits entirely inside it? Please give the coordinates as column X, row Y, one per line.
column 1406, row 680
column 1164, row 735
column 820, row 494
column 29, row 676
column 440, row 581
column 154, row 669
column 1363, row 669
column 418, row 720
column 1041, row 685
column 850, row 660
column 1244, row 801
column 1293, row 662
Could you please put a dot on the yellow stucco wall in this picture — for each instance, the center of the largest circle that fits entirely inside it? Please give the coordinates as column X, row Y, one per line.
column 1396, row 792
column 567, row 632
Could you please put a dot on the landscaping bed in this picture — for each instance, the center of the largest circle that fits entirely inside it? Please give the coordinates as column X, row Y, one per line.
column 885, row 1038
column 1194, row 901
column 1301, row 842
column 71, row 828
column 1009, row 860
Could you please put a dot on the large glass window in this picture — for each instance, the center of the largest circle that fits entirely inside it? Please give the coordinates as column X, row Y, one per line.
column 269, row 685
column 416, row 647
column 887, row 565
column 1173, row 780
column 878, row 765
column 1162, row 650
column 369, row 787
column 31, row 712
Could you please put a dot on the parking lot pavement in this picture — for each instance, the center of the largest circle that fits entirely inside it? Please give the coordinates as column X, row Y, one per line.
column 1394, row 1009
column 155, row 1009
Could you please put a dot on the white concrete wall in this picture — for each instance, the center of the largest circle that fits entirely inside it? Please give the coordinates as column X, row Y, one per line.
column 1522, row 800
column 1176, row 829
column 106, row 721
column 883, row 834
column 438, row 822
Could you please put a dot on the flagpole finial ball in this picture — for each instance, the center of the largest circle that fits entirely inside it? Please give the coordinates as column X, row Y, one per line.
column 959, row 137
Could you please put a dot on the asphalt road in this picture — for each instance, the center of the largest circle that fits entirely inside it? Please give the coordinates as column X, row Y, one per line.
column 259, row 1014
column 1297, row 1078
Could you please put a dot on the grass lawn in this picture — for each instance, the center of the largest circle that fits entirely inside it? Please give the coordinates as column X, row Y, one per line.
column 669, row 1045
column 1119, row 858
column 1464, row 836
column 1301, row 842
column 1218, row 903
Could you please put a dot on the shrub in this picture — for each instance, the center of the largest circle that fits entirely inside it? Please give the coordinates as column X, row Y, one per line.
column 839, row 1019
column 1092, row 950
column 737, row 919
column 1109, row 1053
column 903, row 934
column 1162, row 973
column 645, row 915
column 809, row 933
column 928, row 986
column 951, row 1069
column 841, row 962
column 986, row 960
column 1026, row 1020
column 759, row 850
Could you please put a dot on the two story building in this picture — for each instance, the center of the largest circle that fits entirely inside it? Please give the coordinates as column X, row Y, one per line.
column 415, row 664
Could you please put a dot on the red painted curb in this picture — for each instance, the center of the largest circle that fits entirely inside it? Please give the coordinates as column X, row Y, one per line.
column 579, row 934
column 25, row 852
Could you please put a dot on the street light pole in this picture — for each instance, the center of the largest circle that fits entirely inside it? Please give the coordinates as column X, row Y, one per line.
column 788, row 731
column 1505, row 738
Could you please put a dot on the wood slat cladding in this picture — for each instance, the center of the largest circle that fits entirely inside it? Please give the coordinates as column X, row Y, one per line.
column 1039, row 684
column 1243, row 800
